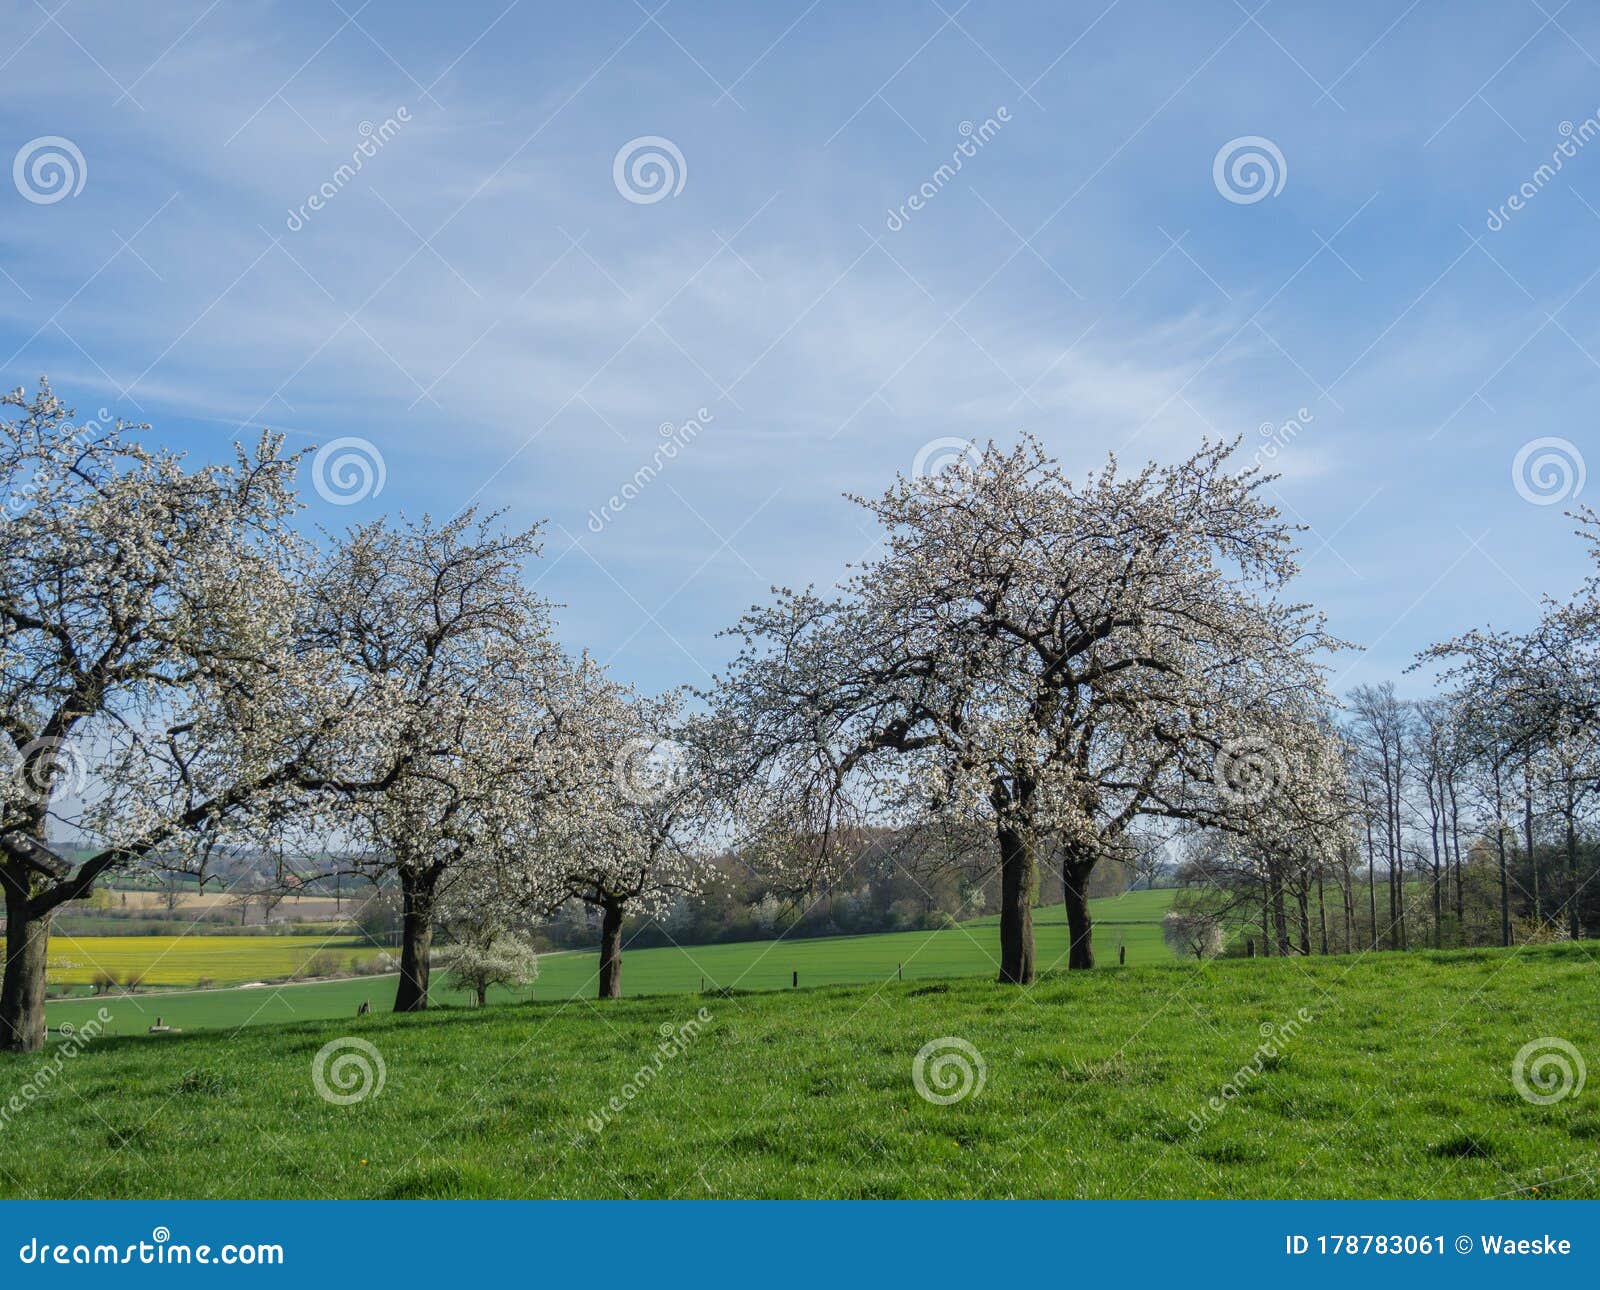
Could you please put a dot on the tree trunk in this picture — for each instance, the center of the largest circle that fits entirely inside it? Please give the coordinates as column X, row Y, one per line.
column 1455, row 845
column 22, row 1026
column 1266, row 905
column 1435, row 825
column 1372, row 884
column 1570, row 812
column 1019, row 883
column 1500, row 849
column 416, row 941
column 1347, row 898
column 1080, row 927
column 1322, row 916
column 1505, row 887
column 1280, row 912
column 483, row 995
column 611, row 949
column 1527, row 840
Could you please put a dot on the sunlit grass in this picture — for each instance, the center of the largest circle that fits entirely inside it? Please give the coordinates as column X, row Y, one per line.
column 1399, row 1085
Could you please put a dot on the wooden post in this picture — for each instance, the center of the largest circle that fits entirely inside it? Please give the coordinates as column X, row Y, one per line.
column 796, row 980
column 899, row 972
column 1122, row 955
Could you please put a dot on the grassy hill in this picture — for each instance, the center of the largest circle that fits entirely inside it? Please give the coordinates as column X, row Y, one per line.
column 1399, row 1084
column 968, row 950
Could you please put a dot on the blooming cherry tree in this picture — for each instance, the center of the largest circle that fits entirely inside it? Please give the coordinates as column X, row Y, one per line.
column 1057, row 659
column 460, row 703
column 152, row 694
column 634, row 816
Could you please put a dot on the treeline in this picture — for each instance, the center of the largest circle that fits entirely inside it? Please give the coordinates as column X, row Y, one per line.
column 1467, row 818
column 1036, row 683
column 898, row 881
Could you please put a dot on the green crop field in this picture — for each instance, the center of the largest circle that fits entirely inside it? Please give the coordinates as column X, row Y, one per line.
column 967, row 950
column 1370, row 1076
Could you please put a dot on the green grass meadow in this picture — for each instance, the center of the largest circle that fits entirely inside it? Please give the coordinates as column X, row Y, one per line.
column 1399, row 1085
column 971, row 949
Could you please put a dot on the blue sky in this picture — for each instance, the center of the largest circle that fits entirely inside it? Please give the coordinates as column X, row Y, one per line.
column 485, row 306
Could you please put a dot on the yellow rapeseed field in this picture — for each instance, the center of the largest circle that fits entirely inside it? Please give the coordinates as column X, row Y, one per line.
column 186, row 960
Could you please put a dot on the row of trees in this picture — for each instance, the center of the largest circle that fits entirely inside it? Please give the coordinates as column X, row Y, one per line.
column 1468, row 816
column 187, row 679
column 1031, row 671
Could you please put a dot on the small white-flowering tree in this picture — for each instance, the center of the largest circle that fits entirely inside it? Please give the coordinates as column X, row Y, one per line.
column 1197, row 934
column 638, row 804
column 484, row 957
column 1058, row 660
